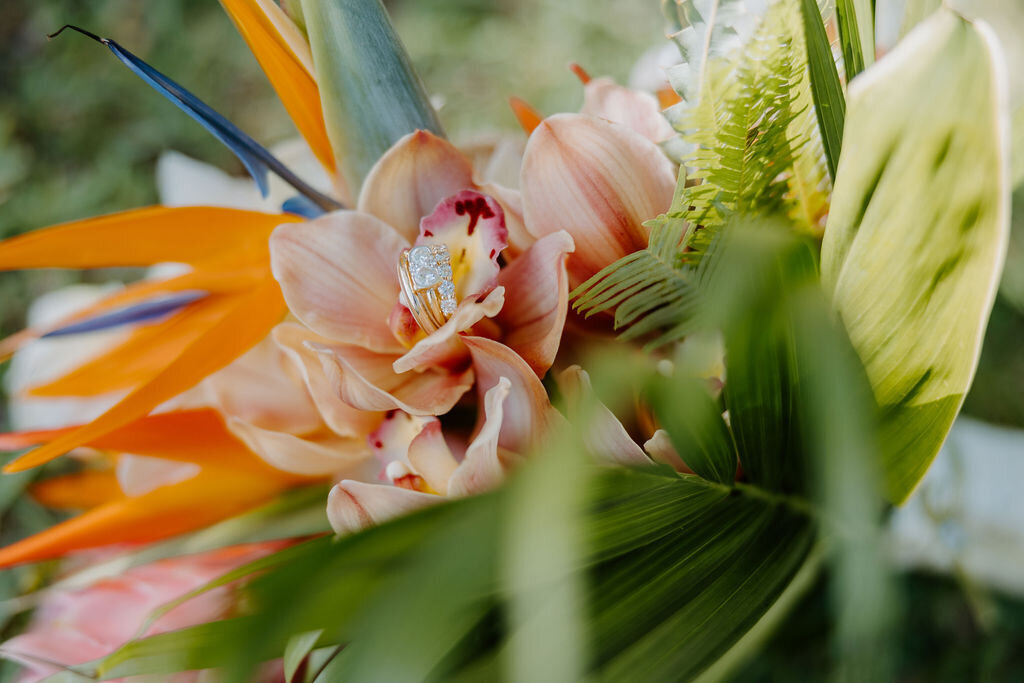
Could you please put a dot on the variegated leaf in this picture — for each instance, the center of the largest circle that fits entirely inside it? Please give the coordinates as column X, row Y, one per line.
column 918, row 229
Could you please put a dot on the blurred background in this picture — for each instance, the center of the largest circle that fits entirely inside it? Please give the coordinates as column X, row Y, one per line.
column 80, row 136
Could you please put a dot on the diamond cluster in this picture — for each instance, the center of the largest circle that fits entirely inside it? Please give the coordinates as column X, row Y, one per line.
column 431, row 266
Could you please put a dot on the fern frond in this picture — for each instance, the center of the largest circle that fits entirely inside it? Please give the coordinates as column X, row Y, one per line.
column 810, row 186
column 754, row 153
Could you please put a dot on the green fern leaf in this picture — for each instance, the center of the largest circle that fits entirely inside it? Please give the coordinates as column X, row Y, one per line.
column 753, row 154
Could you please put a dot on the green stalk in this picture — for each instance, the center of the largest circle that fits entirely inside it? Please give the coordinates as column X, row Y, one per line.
column 371, row 96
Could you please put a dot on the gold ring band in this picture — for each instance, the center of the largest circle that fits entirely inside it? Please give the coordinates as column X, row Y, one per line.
column 425, row 276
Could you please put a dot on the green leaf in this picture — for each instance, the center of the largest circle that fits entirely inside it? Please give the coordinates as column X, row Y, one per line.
column 674, row 565
column 694, row 423
column 856, row 22
column 918, row 230
column 829, row 103
column 371, row 96
column 298, row 648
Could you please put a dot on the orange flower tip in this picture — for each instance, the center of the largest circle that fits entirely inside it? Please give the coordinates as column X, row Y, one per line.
column 580, row 72
column 528, row 117
column 668, row 97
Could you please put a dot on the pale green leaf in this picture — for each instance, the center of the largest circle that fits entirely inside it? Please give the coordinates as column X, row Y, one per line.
column 371, row 96
column 918, row 229
column 298, row 648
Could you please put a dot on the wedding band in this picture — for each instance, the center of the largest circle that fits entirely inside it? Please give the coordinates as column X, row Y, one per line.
column 425, row 276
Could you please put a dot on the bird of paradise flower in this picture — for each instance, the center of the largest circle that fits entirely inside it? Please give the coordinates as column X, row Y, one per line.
column 199, row 321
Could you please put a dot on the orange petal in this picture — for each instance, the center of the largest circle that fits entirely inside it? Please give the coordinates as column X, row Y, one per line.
column 412, row 177
column 78, row 491
column 580, row 72
column 668, row 97
column 214, row 282
column 142, row 237
column 597, row 180
column 145, row 353
column 212, row 495
column 528, row 117
column 198, row 436
column 247, row 323
column 264, row 27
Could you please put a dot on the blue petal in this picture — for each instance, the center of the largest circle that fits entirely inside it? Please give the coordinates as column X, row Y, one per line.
column 147, row 310
column 302, row 206
column 256, row 159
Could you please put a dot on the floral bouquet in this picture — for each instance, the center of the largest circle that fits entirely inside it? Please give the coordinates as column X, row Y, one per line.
column 596, row 402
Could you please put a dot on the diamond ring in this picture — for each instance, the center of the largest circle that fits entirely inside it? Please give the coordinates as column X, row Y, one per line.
column 425, row 275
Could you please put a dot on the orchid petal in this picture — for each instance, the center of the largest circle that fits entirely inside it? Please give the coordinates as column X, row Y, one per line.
column 472, row 226
column 603, row 434
column 343, row 419
column 637, row 110
column 538, row 288
column 338, row 275
column 660, row 448
column 303, row 456
column 390, row 441
column 431, row 457
column 527, row 414
column 412, row 177
column 366, row 380
column 511, row 201
column 353, row 505
column 597, row 180
column 444, row 347
column 260, row 388
column 482, row 468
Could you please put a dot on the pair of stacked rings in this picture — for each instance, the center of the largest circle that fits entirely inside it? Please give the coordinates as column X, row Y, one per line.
column 425, row 275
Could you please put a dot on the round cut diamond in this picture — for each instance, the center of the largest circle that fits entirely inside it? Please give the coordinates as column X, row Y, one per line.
column 421, row 256
column 447, row 289
column 425, row 276
column 448, row 306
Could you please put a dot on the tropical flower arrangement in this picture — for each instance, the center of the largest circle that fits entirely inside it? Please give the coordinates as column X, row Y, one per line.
column 595, row 406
